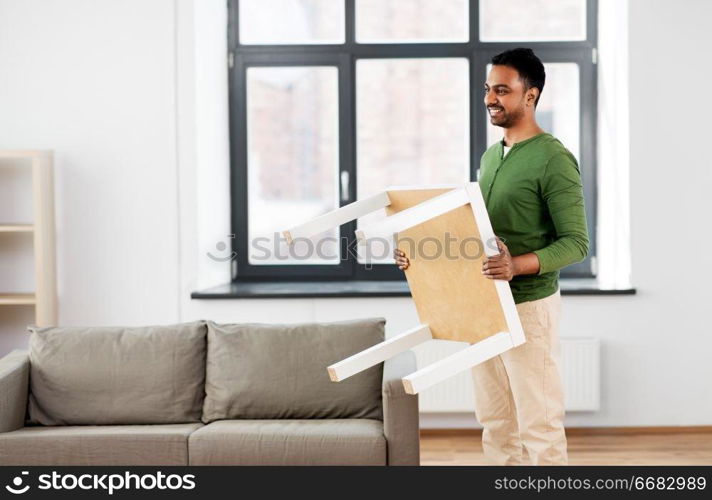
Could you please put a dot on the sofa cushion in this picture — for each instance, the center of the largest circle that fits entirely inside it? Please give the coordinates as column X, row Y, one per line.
column 97, row 445
column 115, row 375
column 289, row 442
column 257, row 371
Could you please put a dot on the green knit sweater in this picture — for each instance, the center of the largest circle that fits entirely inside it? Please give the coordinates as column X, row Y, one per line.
column 534, row 198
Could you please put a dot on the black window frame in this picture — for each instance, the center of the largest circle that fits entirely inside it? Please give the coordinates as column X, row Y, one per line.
column 344, row 57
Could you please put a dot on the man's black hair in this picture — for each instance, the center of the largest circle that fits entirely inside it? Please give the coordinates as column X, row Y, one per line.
column 528, row 65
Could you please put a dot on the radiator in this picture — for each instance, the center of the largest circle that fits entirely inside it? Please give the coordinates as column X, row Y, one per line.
column 580, row 372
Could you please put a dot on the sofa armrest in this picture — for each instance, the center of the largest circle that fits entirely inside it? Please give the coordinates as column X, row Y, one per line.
column 14, row 381
column 401, row 424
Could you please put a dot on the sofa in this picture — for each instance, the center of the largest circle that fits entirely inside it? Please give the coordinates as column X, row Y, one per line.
column 202, row 393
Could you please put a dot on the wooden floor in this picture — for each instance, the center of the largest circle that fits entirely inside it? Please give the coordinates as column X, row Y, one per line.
column 618, row 446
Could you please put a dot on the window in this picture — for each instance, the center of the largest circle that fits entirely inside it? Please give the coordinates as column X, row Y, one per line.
column 334, row 100
column 293, row 133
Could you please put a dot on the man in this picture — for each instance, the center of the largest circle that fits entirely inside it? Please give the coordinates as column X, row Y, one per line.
column 532, row 188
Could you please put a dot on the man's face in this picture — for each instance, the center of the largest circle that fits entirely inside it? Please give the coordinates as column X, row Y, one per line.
column 504, row 96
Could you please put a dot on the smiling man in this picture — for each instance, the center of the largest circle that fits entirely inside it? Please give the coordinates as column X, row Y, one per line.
column 532, row 188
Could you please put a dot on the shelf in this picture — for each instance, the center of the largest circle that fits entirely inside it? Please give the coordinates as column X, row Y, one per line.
column 17, row 299
column 16, row 228
column 27, row 207
column 24, row 153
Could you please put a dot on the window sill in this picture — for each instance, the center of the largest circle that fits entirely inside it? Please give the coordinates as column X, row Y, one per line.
column 316, row 289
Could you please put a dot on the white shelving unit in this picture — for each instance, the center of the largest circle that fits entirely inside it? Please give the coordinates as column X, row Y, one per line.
column 41, row 227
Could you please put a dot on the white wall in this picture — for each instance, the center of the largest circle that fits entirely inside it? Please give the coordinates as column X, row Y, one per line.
column 96, row 82
column 137, row 209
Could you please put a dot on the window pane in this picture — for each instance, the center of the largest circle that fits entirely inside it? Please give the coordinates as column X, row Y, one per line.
column 403, row 21
column 558, row 111
column 532, row 20
column 292, row 161
column 412, row 127
column 291, row 21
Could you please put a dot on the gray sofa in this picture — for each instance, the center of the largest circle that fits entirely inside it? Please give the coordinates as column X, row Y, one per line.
column 201, row 393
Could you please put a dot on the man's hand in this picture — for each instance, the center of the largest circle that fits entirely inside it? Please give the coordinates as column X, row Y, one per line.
column 501, row 266
column 401, row 260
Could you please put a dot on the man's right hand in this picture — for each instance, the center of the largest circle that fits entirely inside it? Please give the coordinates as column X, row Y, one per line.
column 401, row 260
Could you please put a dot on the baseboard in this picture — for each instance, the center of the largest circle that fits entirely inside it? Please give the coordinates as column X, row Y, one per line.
column 588, row 431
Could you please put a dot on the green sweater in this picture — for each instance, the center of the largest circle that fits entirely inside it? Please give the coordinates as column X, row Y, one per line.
column 534, row 198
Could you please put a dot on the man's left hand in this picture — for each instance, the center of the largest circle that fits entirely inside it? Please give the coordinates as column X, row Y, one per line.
column 499, row 267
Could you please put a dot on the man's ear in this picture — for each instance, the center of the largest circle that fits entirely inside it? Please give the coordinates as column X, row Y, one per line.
column 532, row 95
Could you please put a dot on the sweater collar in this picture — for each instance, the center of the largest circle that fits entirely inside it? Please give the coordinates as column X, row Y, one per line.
column 522, row 143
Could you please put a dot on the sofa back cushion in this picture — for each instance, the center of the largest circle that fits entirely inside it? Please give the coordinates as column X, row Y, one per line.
column 257, row 371
column 117, row 375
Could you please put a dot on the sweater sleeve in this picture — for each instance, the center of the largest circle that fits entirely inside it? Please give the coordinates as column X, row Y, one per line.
column 562, row 191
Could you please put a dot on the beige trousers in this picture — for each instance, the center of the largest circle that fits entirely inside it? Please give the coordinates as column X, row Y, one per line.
column 519, row 397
